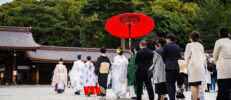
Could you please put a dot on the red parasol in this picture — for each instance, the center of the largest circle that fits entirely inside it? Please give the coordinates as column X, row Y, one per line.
column 130, row 25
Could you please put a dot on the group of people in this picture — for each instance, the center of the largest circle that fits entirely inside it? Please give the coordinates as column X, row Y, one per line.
column 162, row 68
column 82, row 77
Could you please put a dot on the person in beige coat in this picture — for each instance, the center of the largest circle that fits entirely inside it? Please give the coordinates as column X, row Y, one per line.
column 195, row 60
column 222, row 59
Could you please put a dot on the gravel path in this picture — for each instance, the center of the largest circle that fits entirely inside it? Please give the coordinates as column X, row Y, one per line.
column 45, row 92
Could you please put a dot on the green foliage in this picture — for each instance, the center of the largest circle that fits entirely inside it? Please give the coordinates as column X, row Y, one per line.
column 171, row 23
column 189, row 10
column 104, row 9
column 46, row 23
column 56, row 22
column 210, row 17
column 170, row 16
column 81, row 22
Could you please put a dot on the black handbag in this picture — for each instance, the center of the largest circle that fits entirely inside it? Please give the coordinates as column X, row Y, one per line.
column 150, row 71
column 136, row 68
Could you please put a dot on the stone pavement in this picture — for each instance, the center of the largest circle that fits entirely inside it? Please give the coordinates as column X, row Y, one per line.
column 41, row 92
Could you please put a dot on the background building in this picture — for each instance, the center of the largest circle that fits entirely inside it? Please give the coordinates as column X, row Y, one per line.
column 23, row 61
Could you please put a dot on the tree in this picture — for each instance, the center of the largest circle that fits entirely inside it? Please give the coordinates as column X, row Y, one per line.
column 104, row 9
column 170, row 16
column 8, row 9
column 81, row 22
column 166, row 23
column 56, row 22
column 47, row 23
column 70, row 9
column 209, row 18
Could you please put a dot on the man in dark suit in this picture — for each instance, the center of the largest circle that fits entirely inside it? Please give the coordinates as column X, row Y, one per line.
column 143, row 63
column 170, row 57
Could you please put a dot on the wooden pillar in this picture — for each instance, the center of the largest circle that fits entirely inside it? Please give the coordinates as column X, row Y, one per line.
column 33, row 77
column 14, row 69
column 33, row 74
column 37, row 74
column 122, row 41
column 8, row 70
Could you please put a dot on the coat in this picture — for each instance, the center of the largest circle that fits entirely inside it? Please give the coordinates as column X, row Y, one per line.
column 159, row 67
column 195, row 60
column 171, row 56
column 222, row 58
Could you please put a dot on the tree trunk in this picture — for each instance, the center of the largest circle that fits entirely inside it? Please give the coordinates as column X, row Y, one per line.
column 122, row 41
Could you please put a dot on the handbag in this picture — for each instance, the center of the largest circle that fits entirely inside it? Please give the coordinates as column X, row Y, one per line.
column 182, row 65
column 136, row 68
column 150, row 71
column 207, row 76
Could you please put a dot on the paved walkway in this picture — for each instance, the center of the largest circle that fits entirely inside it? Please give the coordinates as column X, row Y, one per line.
column 40, row 92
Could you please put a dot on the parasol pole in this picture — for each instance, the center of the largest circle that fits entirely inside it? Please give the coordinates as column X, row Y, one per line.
column 129, row 26
column 130, row 37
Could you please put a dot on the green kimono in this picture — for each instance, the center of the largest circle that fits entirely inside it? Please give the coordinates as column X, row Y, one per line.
column 131, row 72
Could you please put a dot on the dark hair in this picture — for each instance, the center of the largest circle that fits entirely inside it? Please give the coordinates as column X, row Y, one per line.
column 195, row 36
column 88, row 57
column 211, row 64
column 61, row 59
column 224, row 32
column 143, row 43
column 161, row 41
column 200, row 41
column 171, row 36
column 135, row 46
column 156, row 44
column 79, row 57
column 120, row 51
column 132, row 50
column 103, row 50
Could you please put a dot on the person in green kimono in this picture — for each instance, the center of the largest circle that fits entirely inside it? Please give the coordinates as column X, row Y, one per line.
column 131, row 74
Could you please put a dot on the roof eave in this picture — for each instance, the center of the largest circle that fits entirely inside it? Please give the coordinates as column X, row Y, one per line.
column 19, row 48
column 52, row 60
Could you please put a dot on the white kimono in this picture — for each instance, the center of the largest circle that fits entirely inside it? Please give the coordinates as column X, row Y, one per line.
column 119, row 76
column 89, row 76
column 76, row 75
column 109, row 79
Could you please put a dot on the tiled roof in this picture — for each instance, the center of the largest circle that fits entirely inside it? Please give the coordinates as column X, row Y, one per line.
column 69, row 54
column 17, row 38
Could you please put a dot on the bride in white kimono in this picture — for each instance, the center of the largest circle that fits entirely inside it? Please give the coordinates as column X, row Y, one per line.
column 59, row 79
column 76, row 75
column 119, row 74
